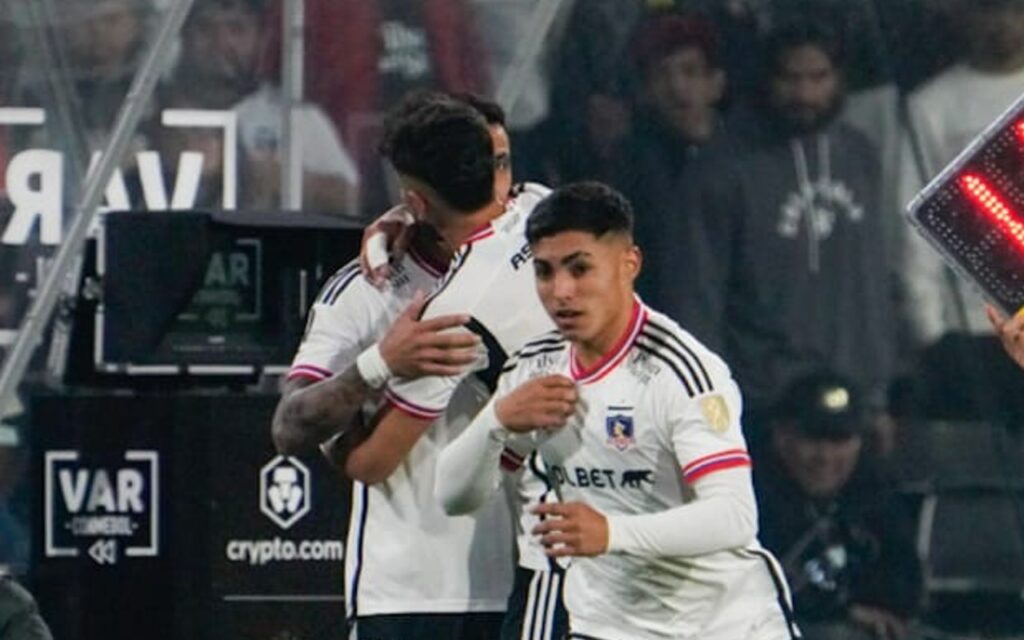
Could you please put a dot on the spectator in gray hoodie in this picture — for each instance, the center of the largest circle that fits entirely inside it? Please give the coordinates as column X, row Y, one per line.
column 781, row 257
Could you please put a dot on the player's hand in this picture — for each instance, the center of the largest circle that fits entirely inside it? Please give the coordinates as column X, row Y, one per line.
column 1010, row 332
column 385, row 239
column 415, row 348
column 540, row 403
column 879, row 622
column 571, row 529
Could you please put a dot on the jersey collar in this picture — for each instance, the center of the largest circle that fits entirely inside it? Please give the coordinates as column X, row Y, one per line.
column 486, row 230
column 615, row 355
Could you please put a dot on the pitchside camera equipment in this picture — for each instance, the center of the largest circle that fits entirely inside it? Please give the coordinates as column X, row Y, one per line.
column 973, row 211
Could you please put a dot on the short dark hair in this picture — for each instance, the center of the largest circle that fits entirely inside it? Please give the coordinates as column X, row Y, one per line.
column 800, row 32
column 591, row 207
column 490, row 110
column 435, row 138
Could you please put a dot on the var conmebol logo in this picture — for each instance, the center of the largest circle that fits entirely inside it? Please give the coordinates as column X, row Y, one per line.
column 109, row 510
column 284, row 491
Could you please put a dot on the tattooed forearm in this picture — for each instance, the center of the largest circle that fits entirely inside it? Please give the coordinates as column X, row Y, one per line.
column 309, row 415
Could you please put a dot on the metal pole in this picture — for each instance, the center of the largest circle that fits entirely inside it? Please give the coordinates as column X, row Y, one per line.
column 65, row 99
column 511, row 86
column 292, row 53
column 63, row 274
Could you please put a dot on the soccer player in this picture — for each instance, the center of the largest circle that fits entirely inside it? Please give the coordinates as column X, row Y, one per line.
column 639, row 425
column 411, row 570
column 491, row 280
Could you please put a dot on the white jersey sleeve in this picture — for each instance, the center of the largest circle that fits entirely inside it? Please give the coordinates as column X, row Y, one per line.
column 490, row 279
column 704, row 427
column 342, row 322
column 469, row 469
column 350, row 314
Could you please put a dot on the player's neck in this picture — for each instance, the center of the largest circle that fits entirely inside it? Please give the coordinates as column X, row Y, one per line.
column 458, row 227
column 591, row 351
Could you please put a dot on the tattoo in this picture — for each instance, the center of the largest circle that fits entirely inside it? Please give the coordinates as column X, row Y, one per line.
column 310, row 415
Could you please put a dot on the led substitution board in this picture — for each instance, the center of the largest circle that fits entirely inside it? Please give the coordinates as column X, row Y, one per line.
column 973, row 211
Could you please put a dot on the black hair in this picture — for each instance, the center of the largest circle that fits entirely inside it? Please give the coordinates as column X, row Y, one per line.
column 799, row 32
column 445, row 143
column 591, row 207
column 490, row 110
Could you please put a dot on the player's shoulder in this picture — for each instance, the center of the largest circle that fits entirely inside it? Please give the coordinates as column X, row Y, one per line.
column 460, row 287
column 681, row 358
column 346, row 279
column 522, row 199
column 544, row 350
column 527, row 194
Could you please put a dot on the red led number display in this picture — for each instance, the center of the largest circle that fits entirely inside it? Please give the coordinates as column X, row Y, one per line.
column 993, row 206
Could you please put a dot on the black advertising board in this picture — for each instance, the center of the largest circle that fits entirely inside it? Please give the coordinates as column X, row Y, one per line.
column 170, row 517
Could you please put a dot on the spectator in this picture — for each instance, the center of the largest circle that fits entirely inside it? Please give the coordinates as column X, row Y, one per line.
column 19, row 615
column 104, row 46
column 363, row 55
column 221, row 48
column 783, row 253
column 590, row 113
column 14, row 538
column 844, row 540
column 171, row 143
column 945, row 114
column 682, row 83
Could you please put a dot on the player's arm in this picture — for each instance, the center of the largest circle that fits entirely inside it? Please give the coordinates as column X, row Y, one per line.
column 714, row 464
column 385, row 239
column 723, row 516
column 468, row 470
column 310, row 414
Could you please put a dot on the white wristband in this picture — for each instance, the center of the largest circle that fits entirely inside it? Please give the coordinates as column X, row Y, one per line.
column 372, row 368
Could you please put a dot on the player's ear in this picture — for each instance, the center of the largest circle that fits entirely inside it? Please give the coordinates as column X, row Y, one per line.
column 633, row 259
column 416, row 203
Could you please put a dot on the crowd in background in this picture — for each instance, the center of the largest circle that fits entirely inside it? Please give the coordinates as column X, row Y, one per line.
column 768, row 147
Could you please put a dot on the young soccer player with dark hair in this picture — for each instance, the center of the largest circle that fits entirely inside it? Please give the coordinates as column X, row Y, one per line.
column 639, row 426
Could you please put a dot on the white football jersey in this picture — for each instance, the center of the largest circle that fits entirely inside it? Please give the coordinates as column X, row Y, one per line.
column 659, row 412
column 404, row 554
column 491, row 278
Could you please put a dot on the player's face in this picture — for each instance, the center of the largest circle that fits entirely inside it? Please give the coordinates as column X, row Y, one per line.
column 805, row 89
column 684, row 88
column 995, row 34
column 586, row 285
column 821, row 467
column 502, row 162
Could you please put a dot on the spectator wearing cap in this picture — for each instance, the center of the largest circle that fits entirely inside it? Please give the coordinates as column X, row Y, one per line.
column 682, row 83
column 830, row 516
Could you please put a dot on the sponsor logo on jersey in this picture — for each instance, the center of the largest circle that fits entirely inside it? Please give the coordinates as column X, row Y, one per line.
column 586, row 477
column 619, row 427
column 521, row 257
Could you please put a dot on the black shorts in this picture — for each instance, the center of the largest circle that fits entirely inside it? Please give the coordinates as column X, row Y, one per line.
column 429, row 626
column 535, row 609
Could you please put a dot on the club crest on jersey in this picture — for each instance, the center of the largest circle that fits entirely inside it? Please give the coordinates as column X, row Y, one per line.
column 619, row 428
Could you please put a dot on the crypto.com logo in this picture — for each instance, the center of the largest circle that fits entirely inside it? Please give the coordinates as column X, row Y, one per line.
column 284, row 491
